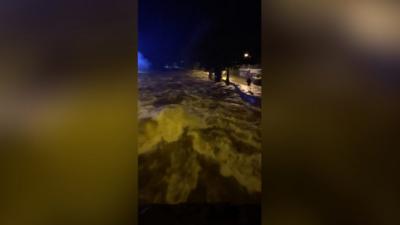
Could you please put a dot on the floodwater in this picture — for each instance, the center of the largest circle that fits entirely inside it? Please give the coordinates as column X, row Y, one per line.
column 199, row 142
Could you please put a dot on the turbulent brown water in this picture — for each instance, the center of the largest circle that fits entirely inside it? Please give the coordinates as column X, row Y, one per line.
column 198, row 141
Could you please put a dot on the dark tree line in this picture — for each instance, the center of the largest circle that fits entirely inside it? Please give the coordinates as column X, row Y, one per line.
column 235, row 27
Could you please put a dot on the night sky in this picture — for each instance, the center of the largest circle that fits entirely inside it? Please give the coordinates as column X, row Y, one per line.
column 199, row 30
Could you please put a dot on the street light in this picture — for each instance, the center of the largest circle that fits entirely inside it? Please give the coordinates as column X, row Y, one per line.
column 246, row 59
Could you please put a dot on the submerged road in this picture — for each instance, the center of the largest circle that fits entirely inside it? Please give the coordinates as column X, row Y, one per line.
column 199, row 142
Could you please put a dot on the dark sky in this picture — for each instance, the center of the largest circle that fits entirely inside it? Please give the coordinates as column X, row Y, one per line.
column 173, row 30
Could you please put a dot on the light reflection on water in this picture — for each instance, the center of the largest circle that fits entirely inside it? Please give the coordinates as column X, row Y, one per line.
column 198, row 141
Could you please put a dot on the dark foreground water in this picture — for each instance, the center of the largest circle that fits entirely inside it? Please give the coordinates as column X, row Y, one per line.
column 201, row 214
column 198, row 141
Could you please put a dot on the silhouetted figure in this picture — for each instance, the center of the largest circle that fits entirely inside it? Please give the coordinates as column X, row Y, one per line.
column 218, row 75
column 227, row 81
column 248, row 81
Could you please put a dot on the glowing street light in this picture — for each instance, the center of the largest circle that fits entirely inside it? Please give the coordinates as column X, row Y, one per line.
column 246, row 55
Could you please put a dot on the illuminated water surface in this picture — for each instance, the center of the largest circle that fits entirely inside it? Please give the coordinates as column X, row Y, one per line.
column 198, row 141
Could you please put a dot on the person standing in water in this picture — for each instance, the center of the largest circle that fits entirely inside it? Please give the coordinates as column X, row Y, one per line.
column 248, row 78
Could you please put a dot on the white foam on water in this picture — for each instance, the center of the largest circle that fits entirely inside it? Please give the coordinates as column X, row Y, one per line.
column 167, row 126
column 214, row 127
